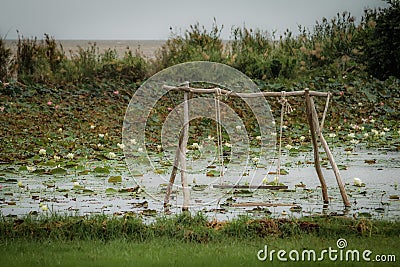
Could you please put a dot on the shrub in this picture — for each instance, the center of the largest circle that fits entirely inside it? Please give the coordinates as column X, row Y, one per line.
column 5, row 61
column 196, row 44
column 38, row 61
column 381, row 41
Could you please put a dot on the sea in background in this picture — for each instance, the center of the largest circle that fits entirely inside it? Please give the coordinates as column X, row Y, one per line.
column 70, row 47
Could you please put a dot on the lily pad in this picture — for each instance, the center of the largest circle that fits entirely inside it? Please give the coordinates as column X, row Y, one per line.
column 296, row 209
column 58, row 171
column 111, row 191
column 101, row 170
column 115, row 179
column 136, row 173
column 213, row 173
column 149, row 212
column 199, row 187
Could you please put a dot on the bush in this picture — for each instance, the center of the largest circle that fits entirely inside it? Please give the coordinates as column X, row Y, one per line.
column 196, row 44
column 381, row 41
column 38, row 61
column 5, row 61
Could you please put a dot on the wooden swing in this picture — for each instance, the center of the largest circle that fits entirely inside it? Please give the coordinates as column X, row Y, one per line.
column 312, row 118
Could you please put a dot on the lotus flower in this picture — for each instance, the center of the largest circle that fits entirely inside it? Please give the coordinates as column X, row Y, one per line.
column 358, row 182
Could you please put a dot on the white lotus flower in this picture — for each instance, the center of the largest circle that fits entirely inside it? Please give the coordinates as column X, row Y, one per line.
column 70, row 156
column 354, row 141
column 357, row 182
column 228, row 144
column 288, row 146
column 31, row 168
column 42, row 151
column 196, row 145
column 122, row 146
column 112, row 155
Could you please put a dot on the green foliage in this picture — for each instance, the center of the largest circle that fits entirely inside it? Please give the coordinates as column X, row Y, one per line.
column 196, row 44
column 45, row 62
column 334, row 48
column 37, row 61
column 186, row 227
column 5, row 60
column 381, row 41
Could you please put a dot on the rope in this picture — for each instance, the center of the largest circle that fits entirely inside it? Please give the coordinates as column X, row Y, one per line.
column 219, row 132
column 286, row 109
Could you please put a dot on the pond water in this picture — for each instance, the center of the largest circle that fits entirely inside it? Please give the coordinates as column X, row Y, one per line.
column 107, row 187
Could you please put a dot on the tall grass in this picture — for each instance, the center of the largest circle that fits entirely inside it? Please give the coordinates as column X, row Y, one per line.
column 186, row 227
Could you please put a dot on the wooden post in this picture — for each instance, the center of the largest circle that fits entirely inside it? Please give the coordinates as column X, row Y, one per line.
column 173, row 174
column 315, row 147
column 180, row 157
column 185, row 186
column 329, row 154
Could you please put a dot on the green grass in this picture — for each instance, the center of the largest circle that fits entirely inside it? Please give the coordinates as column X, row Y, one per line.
column 169, row 252
column 185, row 240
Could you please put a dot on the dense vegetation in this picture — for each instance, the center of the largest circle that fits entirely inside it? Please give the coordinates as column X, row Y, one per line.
column 333, row 48
column 43, row 90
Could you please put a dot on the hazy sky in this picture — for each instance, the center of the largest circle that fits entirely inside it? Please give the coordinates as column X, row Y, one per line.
column 149, row 19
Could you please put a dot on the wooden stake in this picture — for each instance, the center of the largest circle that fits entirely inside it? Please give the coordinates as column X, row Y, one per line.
column 329, row 154
column 315, row 147
column 180, row 156
column 185, row 186
column 173, row 174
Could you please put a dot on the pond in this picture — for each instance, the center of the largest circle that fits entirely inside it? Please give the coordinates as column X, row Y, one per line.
column 107, row 187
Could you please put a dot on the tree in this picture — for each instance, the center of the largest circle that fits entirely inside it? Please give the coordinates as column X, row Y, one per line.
column 381, row 42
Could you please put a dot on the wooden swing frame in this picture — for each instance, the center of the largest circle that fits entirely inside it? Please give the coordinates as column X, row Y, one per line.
column 313, row 122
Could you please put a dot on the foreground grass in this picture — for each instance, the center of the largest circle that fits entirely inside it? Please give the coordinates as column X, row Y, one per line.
column 169, row 252
column 187, row 240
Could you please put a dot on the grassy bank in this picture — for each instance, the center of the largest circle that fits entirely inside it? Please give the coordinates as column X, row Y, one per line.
column 183, row 240
column 166, row 252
